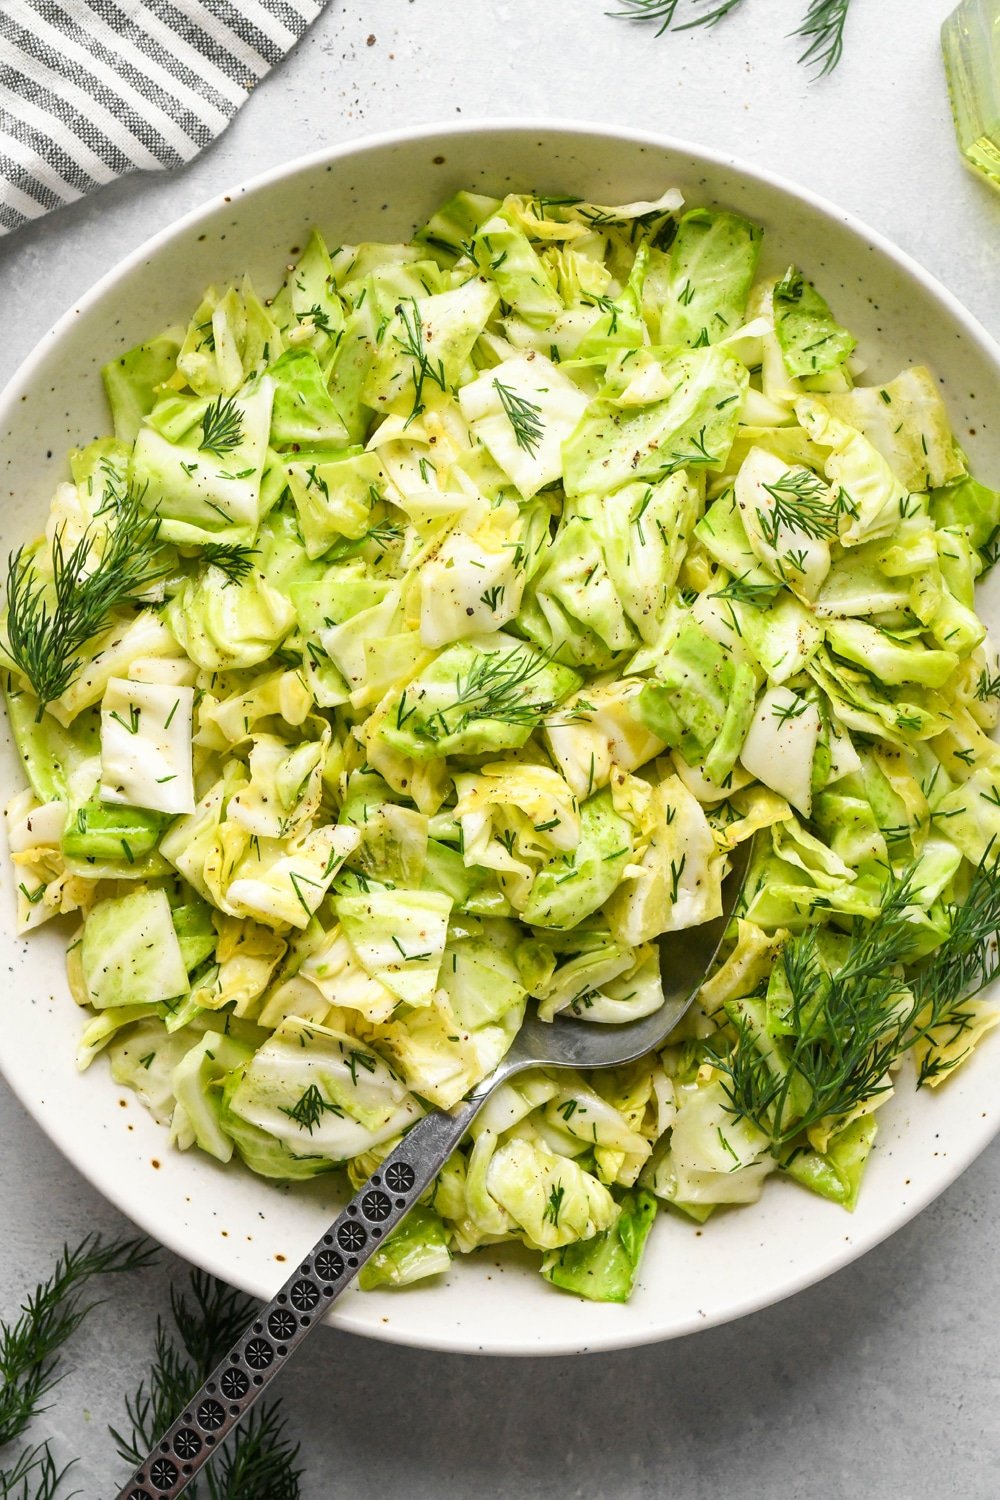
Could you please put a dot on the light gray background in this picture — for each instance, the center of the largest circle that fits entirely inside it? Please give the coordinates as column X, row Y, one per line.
column 883, row 1380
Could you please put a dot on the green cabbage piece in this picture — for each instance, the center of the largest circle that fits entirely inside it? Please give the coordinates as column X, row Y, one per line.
column 50, row 753
column 568, row 888
column 452, row 227
column 228, row 340
column 261, row 1151
column 678, row 880
column 811, row 339
column 303, row 413
column 712, row 263
column 425, row 346
column 552, row 1199
column 713, row 1157
column 700, row 703
column 198, row 463
column 836, row 1172
column 907, row 422
column 198, row 1113
column 691, row 425
column 143, row 1055
column 102, row 831
column 723, row 535
column 308, row 306
column 891, row 658
column 333, row 495
column 399, row 938
column 223, row 624
column 483, row 693
column 130, row 953
column 196, row 934
column 504, row 253
column 970, row 505
column 416, row 1249
column 321, row 1092
column 132, row 382
column 604, row 1268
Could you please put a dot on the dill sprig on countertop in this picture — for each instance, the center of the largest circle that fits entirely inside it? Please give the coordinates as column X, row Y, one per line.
column 30, row 1343
column 822, row 27
column 49, row 622
column 258, row 1461
column 847, row 1028
column 35, row 1475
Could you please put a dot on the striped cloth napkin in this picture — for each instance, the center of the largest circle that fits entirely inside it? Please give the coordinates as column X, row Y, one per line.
column 92, row 89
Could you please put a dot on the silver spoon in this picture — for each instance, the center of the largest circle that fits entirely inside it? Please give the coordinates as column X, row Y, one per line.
column 393, row 1189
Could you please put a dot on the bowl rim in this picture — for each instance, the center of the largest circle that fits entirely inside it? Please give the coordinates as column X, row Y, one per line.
column 499, row 125
column 974, row 1141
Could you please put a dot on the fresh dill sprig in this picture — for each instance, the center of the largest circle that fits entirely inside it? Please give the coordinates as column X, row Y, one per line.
column 317, row 316
column 823, row 31
column 48, row 623
column 38, row 1475
column 553, row 1207
column 966, row 961
column 496, row 686
column 260, row 1464
column 792, row 710
column 845, row 1029
column 308, row 1110
column 412, row 343
column 744, row 592
column 664, row 13
column 990, row 551
column 800, row 501
column 206, row 335
column 221, row 427
column 987, row 686
column 524, row 416
column 383, row 534
column 30, row 1343
column 232, row 558
column 607, row 305
column 257, row 1462
column 700, row 454
column 822, row 27
column 356, row 1058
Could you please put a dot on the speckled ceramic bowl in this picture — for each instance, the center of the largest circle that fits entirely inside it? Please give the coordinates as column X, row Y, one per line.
column 224, row 1219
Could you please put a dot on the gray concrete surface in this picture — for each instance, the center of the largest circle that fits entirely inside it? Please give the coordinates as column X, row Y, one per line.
column 883, row 1380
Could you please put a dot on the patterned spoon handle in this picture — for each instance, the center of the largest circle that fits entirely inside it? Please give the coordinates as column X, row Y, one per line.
column 317, row 1281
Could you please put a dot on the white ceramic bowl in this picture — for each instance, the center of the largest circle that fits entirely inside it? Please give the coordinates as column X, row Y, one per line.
column 224, row 1219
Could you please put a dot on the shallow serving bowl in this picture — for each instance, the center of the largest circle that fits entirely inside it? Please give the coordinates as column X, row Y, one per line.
column 239, row 1226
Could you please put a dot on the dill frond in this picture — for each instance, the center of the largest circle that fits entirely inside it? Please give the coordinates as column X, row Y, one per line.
column 30, row 1343
column 48, row 624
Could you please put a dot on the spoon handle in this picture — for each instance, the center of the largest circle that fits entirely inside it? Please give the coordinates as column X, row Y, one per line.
column 317, row 1281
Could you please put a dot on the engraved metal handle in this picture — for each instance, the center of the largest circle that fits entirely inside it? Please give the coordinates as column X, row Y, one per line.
column 317, row 1281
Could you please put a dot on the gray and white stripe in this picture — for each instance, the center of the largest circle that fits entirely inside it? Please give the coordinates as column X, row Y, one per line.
column 91, row 89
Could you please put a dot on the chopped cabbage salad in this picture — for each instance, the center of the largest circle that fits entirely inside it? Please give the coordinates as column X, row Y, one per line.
column 419, row 646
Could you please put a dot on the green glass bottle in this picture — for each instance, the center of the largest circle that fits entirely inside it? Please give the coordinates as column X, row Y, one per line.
column 970, row 40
